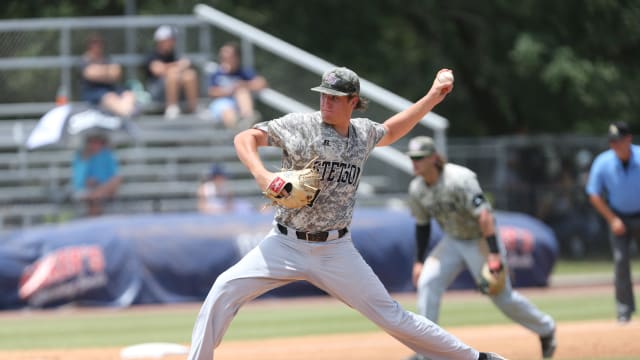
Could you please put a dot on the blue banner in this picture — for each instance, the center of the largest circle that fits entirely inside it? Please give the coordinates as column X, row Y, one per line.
column 168, row 258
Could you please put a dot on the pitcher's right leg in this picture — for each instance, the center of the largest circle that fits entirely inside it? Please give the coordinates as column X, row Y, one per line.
column 261, row 270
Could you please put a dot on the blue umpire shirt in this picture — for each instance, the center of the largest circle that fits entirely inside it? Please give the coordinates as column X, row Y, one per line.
column 621, row 186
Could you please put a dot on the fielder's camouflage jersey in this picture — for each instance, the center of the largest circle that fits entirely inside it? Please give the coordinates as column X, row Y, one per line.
column 304, row 137
column 454, row 201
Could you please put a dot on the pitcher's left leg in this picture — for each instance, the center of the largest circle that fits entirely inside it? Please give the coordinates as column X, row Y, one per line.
column 345, row 275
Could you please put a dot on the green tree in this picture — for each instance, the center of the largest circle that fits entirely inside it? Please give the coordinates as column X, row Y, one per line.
column 527, row 66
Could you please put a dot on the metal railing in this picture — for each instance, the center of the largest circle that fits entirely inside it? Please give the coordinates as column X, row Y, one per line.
column 24, row 41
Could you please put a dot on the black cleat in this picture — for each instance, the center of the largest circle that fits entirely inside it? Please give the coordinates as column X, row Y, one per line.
column 416, row 357
column 549, row 344
column 490, row 356
column 624, row 319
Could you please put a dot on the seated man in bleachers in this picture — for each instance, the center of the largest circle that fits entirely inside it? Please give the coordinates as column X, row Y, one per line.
column 170, row 76
column 100, row 81
column 95, row 177
column 214, row 196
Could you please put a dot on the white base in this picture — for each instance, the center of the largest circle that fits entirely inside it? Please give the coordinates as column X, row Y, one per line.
column 152, row 350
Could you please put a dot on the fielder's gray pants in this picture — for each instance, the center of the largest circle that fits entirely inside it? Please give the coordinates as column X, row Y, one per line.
column 448, row 258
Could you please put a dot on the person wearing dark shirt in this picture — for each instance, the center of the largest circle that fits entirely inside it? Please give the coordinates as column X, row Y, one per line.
column 170, row 76
column 100, row 81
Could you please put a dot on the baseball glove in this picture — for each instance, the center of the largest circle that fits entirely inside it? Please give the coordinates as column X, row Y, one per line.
column 492, row 283
column 294, row 189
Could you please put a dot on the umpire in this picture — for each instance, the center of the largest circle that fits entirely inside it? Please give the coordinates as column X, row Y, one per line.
column 614, row 190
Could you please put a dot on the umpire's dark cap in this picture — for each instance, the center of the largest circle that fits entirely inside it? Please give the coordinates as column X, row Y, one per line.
column 618, row 130
column 339, row 82
column 421, row 146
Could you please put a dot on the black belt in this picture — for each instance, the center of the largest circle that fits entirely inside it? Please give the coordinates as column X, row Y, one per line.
column 316, row 236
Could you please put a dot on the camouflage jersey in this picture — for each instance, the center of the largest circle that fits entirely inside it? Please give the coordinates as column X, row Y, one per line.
column 304, row 137
column 454, row 201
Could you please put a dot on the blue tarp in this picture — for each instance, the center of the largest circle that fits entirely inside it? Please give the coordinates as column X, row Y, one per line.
column 169, row 258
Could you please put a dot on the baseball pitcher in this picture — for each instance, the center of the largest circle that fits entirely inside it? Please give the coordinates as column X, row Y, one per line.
column 310, row 239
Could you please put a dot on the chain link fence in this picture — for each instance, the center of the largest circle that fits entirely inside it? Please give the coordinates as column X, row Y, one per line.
column 544, row 176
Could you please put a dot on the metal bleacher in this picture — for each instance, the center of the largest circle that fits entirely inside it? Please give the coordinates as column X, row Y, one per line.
column 163, row 166
column 161, row 171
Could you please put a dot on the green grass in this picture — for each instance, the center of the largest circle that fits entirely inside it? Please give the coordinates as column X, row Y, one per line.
column 575, row 267
column 95, row 330
column 111, row 328
column 120, row 328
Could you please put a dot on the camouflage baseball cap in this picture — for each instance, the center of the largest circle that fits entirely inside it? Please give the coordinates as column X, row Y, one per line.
column 340, row 82
column 421, row 146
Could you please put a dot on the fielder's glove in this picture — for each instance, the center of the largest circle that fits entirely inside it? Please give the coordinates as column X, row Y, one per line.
column 294, row 189
column 492, row 279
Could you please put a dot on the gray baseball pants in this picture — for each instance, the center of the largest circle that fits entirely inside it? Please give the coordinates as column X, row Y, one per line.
column 334, row 266
column 448, row 258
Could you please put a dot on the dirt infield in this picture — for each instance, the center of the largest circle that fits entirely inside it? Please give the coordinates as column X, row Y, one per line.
column 579, row 340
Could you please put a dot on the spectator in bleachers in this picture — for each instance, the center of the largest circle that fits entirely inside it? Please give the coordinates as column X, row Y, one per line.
column 214, row 196
column 232, row 88
column 95, row 175
column 101, row 80
column 170, row 76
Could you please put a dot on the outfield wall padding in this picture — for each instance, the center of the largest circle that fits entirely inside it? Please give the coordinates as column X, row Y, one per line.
column 169, row 258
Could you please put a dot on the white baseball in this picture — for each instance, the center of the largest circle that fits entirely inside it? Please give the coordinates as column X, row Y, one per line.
column 445, row 76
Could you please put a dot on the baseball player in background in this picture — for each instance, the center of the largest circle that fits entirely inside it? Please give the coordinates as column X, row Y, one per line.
column 451, row 195
column 313, row 243
column 613, row 188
